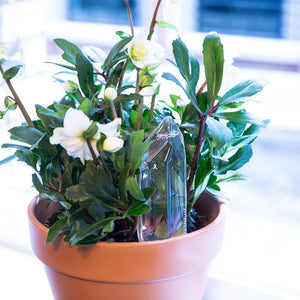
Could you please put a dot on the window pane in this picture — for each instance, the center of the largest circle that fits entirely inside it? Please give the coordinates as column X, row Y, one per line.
column 242, row 17
column 100, row 11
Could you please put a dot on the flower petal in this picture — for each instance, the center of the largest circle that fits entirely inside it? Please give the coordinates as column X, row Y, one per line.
column 110, row 129
column 112, row 144
column 76, row 120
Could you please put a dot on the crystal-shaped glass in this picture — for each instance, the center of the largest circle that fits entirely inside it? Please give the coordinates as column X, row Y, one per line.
column 165, row 170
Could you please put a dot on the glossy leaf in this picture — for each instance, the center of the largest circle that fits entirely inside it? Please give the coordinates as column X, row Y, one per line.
column 85, row 75
column 11, row 72
column 213, row 59
column 70, row 50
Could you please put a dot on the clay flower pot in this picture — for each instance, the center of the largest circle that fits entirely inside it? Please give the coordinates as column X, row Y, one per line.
column 174, row 269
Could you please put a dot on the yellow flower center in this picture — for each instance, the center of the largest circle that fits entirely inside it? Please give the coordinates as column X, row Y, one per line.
column 2, row 49
column 139, row 52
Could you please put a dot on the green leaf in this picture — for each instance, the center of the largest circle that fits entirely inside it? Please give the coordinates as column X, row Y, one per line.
column 240, row 116
column 219, row 132
column 232, row 177
column 85, row 75
column 114, row 77
column 90, row 229
column 239, row 159
column 90, row 132
column 213, row 59
column 111, row 58
column 133, row 188
column 148, row 192
column 78, row 193
column 11, row 72
column 204, row 170
column 56, row 229
column 181, row 55
column 70, row 50
column 86, row 106
column 7, row 159
column 139, row 210
column 167, row 25
column 171, row 77
column 98, row 183
column 49, row 118
column 242, row 90
column 26, row 134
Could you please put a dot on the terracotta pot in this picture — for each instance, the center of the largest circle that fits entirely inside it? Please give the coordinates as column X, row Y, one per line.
column 162, row 270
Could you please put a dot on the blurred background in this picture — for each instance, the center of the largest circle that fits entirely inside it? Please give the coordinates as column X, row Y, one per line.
column 262, row 241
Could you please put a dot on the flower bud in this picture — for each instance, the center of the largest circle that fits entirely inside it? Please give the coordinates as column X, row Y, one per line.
column 110, row 93
column 112, row 144
column 70, row 86
column 147, row 91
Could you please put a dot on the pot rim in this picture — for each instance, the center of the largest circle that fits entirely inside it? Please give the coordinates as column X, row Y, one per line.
column 207, row 228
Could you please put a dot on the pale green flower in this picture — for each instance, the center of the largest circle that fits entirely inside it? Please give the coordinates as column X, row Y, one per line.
column 112, row 144
column 144, row 52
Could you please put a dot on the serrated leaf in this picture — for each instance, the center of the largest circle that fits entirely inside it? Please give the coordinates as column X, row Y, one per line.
column 213, row 59
column 70, row 50
column 11, row 72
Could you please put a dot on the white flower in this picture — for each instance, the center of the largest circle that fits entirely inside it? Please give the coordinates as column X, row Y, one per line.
column 144, row 52
column 8, row 55
column 110, row 93
column 147, row 91
column 70, row 136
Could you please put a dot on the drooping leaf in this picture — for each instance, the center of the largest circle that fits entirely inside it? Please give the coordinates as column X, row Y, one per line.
column 56, row 229
column 26, row 134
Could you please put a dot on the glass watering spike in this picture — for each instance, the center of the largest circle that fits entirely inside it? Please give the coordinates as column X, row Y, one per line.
column 165, row 170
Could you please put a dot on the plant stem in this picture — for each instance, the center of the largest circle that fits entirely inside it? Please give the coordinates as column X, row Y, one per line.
column 152, row 107
column 95, row 159
column 140, row 114
column 197, row 153
column 201, row 88
column 153, row 22
column 18, row 100
column 133, row 229
column 130, row 17
column 113, row 110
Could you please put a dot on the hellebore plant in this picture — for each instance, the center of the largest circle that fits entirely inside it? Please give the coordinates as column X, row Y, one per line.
column 87, row 148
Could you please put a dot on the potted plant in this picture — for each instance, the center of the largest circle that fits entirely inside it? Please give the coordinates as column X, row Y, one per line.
column 120, row 180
